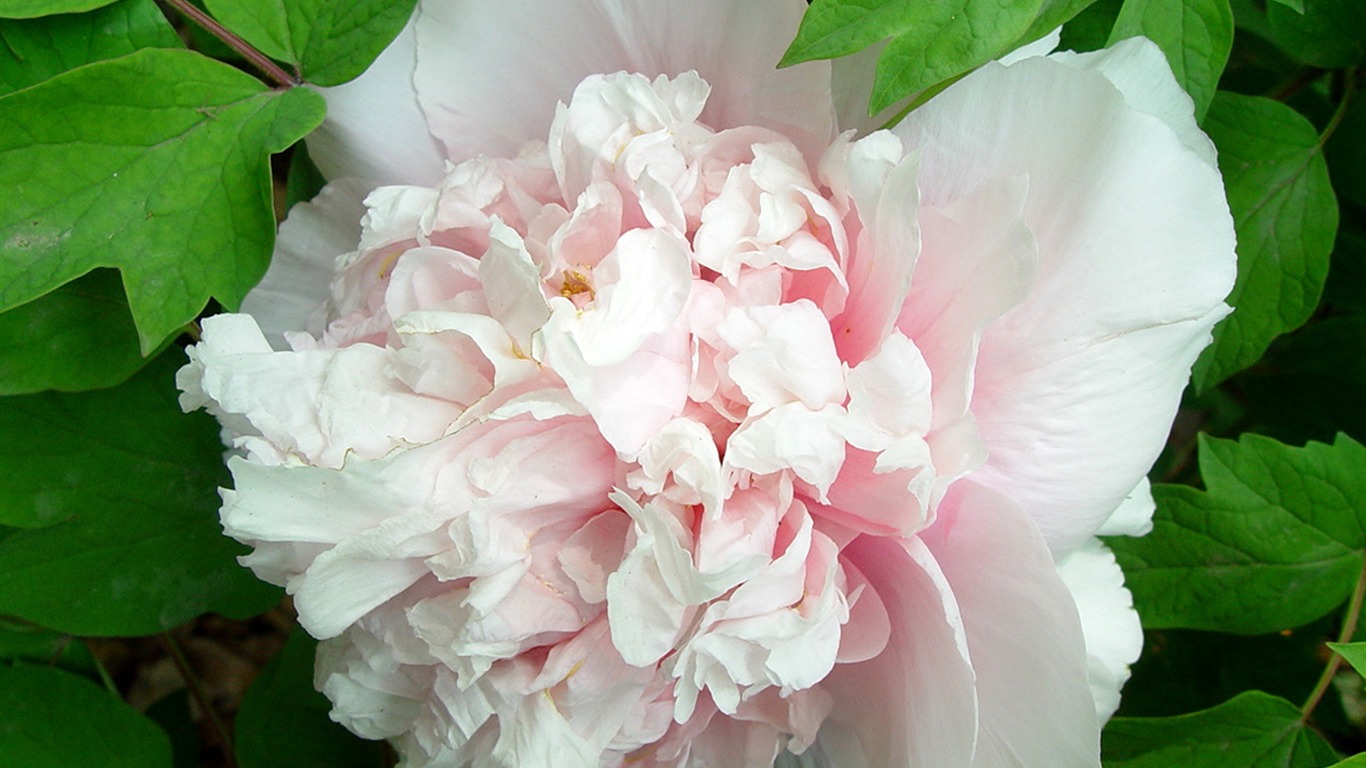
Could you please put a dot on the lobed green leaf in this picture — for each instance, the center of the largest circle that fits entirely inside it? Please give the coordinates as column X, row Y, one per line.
column 1277, row 541
column 329, row 42
column 1251, row 730
column 28, row 9
column 80, row 336
column 155, row 163
column 54, row 719
column 1352, row 653
column 284, row 723
column 1286, row 217
column 34, row 50
column 1195, row 35
column 929, row 42
column 134, row 483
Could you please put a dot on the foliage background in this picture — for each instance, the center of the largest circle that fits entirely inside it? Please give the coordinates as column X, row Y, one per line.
column 147, row 150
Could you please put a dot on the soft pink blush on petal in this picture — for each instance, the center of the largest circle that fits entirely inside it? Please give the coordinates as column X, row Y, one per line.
column 1134, row 241
column 1023, row 634
column 482, row 93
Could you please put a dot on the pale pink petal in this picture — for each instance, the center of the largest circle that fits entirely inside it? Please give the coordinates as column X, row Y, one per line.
column 292, row 295
column 914, row 704
column 1135, row 251
column 784, row 354
column 977, row 261
column 1023, row 634
column 375, row 131
column 490, row 72
column 881, row 181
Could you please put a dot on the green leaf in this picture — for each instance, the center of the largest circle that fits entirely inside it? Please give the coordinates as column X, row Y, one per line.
column 1296, row 5
column 80, row 336
column 1276, row 541
column 28, row 9
column 1251, row 730
column 330, row 42
column 283, row 722
column 930, row 42
column 1324, row 33
column 1054, row 14
column 155, row 163
column 1356, row 761
column 1196, row 36
column 1353, row 653
column 304, row 181
column 142, row 550
column 1090, row 29
column 1286, row 217
column 54, row 719
column 33, row 50
column 26, row 642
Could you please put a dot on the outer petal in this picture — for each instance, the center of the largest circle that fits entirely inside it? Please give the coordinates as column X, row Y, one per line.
column 912, row 705
column 1076, row 387
column 1023, row 634
column 490, row 72
column 375, row 131
column 292, row 294
column 1114, row 637
column 1137, row 67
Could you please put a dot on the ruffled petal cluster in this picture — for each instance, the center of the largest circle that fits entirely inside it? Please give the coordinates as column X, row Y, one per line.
column 609, row 408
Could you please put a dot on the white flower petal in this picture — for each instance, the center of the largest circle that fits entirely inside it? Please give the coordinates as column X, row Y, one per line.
column 1114, row 637
column 292, row 295
column 375, row 131
column 1135, row 251
column 1138, row 68
column 484, row 93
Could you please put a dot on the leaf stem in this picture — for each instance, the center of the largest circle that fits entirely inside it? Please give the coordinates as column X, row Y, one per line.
column 259, row 60
column 1349, row 626
column 1349, row 90
column 1301, row 81
column 104, row 673
column 201, row 698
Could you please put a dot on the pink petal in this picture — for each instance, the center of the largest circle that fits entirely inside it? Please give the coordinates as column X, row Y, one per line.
column 1135, row 249
column 1023, row 634
column 913, row 704
column 490, row 72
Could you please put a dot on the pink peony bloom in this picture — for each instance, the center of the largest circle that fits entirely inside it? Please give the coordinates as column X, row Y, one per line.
column 610, row 407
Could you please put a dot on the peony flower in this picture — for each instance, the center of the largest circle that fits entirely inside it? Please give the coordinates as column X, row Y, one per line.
column 612, row 407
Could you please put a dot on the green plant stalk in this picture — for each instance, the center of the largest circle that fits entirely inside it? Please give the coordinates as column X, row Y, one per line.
column 1349, row 625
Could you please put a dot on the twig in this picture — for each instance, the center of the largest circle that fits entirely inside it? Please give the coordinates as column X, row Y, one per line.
column 259, row 60
column 1349, row 626
column 201, row 698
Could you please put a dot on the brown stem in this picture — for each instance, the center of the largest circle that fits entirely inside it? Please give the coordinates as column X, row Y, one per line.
column 201, row 698
column 1349, row 626
column 259, row 60
column 1301, row 81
